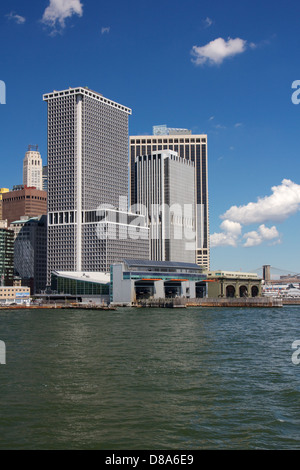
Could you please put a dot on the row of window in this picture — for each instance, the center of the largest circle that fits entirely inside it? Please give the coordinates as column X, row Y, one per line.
column 166, row 141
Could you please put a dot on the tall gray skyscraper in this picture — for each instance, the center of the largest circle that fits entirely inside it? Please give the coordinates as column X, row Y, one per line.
column 165, row 194
column 190, row 147
column 87, row 167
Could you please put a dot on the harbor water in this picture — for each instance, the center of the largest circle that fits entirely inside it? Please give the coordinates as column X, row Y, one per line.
column 133, row 379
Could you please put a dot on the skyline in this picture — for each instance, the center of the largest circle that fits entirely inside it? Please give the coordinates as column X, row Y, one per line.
column 222, row 70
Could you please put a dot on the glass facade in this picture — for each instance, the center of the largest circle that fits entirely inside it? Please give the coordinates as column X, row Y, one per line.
column 68, row 286
column 6, row 257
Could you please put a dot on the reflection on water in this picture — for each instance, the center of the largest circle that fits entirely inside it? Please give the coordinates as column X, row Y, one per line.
column 150, row 379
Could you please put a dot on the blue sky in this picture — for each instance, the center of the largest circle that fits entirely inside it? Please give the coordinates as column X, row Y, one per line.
column 215, row 67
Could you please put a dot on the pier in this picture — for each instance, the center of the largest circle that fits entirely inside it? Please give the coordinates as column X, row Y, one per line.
column 247, row 302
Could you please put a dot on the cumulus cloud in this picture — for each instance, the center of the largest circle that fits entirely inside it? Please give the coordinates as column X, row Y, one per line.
column 263, row 233
column 59, row 10
column 281, row 204
column 215, row 52
column 284, row 202
column 17, row 18
column 229, row 235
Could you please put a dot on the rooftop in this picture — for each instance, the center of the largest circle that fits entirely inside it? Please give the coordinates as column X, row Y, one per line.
column 100, row 278
column 160, row 264
column 87, row 92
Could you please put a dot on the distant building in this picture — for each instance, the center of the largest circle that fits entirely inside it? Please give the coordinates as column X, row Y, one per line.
column 6, row 257
column 32, row 168
column 233, row 284
column 165, row 130
column 30, row 252
column 190, row 147
column 2, row 191
column 165, row 191
column 267, row 273
column 15, row 294
column 18, row 187
column 27, row 201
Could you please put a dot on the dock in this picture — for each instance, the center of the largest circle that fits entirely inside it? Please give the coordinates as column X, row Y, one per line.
column 55, row 307
column 247, row 302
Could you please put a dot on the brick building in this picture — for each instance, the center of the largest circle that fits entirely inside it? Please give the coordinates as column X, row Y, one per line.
column 27, row 201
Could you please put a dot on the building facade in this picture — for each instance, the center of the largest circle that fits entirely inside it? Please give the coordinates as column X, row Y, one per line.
column 6, row 257
column 29, row 202
column 2, row 191
column 87, row 168
column 45, row 178
column 85, row 287
column 190, row 147
column 14, row 294
column 137, row 280
column 165, row 195
column 233, row 284
column 30, row 252
column 33, row 168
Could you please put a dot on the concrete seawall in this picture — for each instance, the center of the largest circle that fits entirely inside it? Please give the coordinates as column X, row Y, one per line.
column 259, row 302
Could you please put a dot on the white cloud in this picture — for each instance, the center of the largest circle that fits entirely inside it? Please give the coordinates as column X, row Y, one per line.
column 105, row 29
column 281, row 204
column 231, row 227
column 222, row 239
column 284, row 202
column 17, row 18
column 59, row 10
column 229, row 236
column 263, row 233
column 215, row 52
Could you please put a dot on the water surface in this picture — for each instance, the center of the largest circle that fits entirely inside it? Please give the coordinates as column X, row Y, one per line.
column 196, row 378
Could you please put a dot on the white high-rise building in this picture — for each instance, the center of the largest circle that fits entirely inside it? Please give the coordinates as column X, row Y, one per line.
column 33, row 168
column 88, row 168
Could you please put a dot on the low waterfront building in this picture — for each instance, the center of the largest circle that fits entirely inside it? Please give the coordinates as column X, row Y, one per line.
column 134, row 280
column 83, row 286
column 233, row 284
column 14, row 294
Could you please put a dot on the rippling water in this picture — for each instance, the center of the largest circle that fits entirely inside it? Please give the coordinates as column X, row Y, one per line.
column 150, row 379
